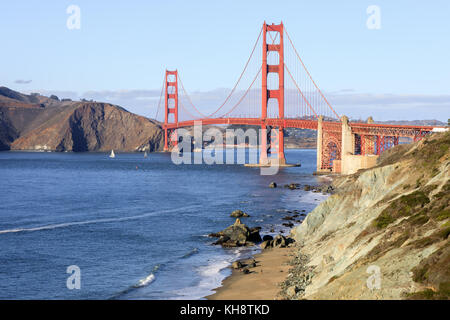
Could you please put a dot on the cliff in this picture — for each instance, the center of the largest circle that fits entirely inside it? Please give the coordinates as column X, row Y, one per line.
column 384, row 234
column 34, row 122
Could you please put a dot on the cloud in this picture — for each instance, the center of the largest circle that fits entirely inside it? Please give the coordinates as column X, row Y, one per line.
column 23, row 81
column 392, row 106
column 346, row 101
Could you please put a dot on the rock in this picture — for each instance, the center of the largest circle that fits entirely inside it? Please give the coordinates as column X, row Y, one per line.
column 289, row 224
column 273, row 185
column 307, row 187
column 236, row 265
column 287, row 218
column 215, row 235
column 279, row 241
column 267, row 237
column 251, row 263
column 239, row 234
column 265, row 244
column 245, row 270
column 239, row 214
column 293, row 186
column 222, row 240
column 231, row 244
column 292, row 291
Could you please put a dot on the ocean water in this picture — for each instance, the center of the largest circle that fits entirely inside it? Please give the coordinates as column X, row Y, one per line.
column 136, row 227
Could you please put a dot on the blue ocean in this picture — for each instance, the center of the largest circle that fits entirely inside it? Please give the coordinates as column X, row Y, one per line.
column 135, row 227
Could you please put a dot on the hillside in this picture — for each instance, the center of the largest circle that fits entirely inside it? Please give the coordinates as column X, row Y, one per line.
column 34, row 122
column 393, row 218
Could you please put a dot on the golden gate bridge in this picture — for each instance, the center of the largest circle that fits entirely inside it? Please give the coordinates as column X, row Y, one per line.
column 275, row 90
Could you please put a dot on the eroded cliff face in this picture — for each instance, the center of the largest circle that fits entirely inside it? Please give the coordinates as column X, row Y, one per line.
column 91, row 126
column 393, row 218
column 35, row 122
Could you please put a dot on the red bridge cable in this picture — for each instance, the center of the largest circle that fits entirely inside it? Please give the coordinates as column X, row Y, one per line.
column 246, row 92
column 182, row 107
column 160, row 99
column 239, row 79
column 304, row 67
column 189, row 98
column 304, row 98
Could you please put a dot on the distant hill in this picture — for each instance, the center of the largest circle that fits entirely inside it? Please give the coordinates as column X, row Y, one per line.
column 35, row 122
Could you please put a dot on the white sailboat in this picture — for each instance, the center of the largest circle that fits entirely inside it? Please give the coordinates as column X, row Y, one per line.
column 112, row 155
column 145, row 154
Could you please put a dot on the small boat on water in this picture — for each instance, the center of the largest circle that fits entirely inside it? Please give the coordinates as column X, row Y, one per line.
column 112, row 155
column 145, row 154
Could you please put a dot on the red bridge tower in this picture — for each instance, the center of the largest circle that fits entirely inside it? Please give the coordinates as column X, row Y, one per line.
column 171, row 107
column 271, row 93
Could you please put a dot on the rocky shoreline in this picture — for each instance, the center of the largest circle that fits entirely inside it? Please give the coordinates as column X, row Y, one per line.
column 239, row 235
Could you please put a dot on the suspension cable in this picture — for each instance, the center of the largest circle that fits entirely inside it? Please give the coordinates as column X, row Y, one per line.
column 239, row 79
column 160, row 98
column 304, row 67
column 306, row 100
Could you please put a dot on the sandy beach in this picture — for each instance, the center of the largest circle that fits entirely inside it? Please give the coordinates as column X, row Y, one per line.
column 262, row 283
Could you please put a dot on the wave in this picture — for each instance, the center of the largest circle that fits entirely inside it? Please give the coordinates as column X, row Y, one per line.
column 148, row 279
column 190, row 253
column 79, row 223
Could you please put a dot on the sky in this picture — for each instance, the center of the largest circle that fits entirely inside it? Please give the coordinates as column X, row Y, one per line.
column 122, row 48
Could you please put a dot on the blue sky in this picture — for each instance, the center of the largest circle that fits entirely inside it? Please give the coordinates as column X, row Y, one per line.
column 125, row 46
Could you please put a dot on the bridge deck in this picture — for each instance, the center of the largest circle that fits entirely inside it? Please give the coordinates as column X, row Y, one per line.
column 357, row 127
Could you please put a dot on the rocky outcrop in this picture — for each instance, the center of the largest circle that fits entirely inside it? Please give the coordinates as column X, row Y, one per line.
column 384, row 234
column 279, row 241
column 35, row 122
column 237, row 235
column 239, row 214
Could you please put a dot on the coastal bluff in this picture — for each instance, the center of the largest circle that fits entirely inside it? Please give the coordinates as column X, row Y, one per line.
column 38, row 123
column 384, row 234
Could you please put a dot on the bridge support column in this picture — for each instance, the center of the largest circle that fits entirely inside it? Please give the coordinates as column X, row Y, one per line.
column 171, row 107
column 263, row 159
column 281, row 158
column 166, row 140
column 319, row 143
column 348, row 145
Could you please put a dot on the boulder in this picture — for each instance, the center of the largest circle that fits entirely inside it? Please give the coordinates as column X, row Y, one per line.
column 294, row 186
column 239, row 214
column 267, row 237
column 222, row 240
column 236, row 265
column 265, row 244
column 238, row 234
column 273, row 185
column 279, row 241
column 292, row 291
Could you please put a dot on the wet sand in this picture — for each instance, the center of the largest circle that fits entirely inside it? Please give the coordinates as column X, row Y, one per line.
column 262, row 283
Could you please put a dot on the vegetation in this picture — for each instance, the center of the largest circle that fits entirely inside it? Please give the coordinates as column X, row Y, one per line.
column 419, row 218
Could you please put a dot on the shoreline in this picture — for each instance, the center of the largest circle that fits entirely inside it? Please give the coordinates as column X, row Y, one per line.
column 264, row 279
column 262, row 282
